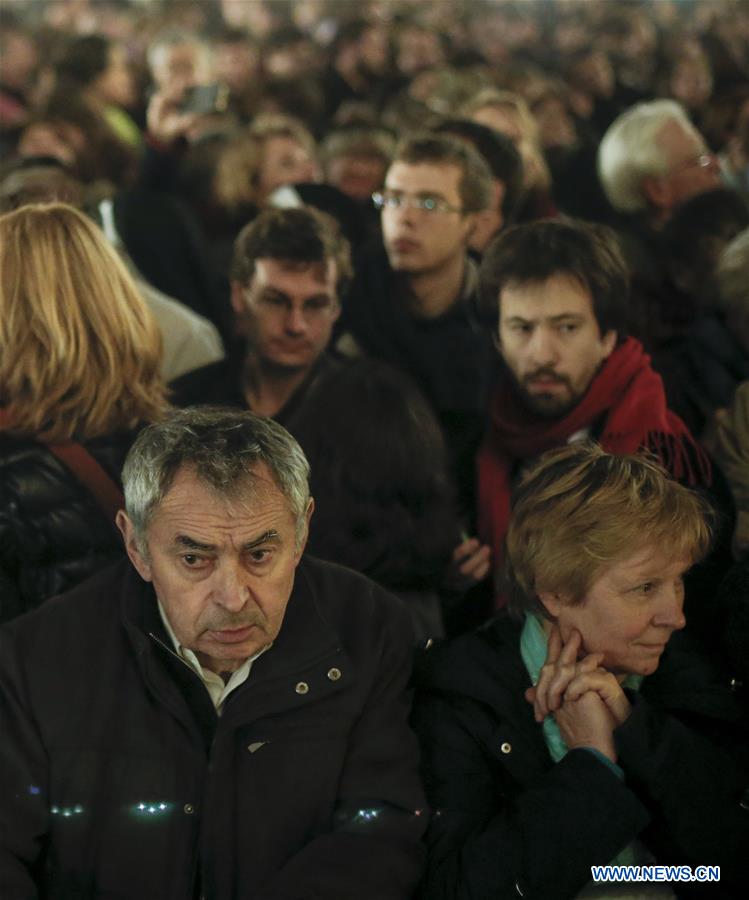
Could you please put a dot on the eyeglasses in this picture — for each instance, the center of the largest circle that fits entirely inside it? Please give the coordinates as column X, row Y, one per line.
column 313, row 309
column 703, row 161
column 422, row 202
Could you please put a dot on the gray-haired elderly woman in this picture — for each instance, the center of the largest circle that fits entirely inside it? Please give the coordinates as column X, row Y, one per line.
column 571, row 732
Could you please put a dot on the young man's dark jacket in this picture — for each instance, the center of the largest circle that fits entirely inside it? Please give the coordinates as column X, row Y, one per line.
column 118, row 780
column 509, row 822
column 221, row 384
column 450, row 357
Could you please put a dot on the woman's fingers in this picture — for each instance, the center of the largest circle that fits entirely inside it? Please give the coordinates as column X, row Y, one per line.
column 554, row 645
column 606, row 686
column 556, row 673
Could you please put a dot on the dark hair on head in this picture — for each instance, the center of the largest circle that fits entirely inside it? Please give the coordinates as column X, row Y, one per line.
column 694, row 237
column 84, row 59
column 534, row 252
column 384, row 503
column 721, row 213
column 301, row 235
column 440, row 149
column 38, row 179
column 499, row 152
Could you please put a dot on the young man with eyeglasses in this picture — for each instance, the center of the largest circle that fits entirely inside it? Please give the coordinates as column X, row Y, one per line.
column 288, row 270
column 412, row 298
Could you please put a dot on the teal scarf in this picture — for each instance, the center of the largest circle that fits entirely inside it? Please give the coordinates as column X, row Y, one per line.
column 533, row 648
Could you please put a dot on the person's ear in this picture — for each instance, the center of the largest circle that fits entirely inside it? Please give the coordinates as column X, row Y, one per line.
column 609, row 342
column 552, row 601
column 302, row 542
column 238, row 301
column 657, row 191
column 132, row 548
column 500, row 189
column 486, row 224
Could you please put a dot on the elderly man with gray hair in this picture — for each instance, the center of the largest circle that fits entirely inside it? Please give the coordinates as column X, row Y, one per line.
column 218, row 717
column 652, row 158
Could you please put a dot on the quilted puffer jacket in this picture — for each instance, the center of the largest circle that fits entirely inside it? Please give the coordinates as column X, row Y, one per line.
column 53, row 534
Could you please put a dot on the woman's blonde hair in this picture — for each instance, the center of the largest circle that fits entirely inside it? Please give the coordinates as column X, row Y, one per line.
column 579, row 510
column 537, row 171
column 80, row 352
column 239, row 165
column 237, row 174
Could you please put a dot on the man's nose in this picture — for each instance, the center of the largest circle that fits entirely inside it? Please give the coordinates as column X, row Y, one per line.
column 542, row 348
column 405, row 213
column 229, row 589
column 295, row 321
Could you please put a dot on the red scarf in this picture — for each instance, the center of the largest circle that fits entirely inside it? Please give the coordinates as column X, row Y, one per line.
column 631, row 397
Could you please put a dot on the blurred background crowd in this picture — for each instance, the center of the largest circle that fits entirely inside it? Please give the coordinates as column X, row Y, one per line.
column 175, row 123
column 79, row 80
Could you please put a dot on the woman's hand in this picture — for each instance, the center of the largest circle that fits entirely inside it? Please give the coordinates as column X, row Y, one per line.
column 606, row 685
column 587, row 722
column 560, row 669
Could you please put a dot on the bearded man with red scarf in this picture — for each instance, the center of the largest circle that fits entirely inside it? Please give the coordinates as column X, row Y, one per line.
column 560, row 289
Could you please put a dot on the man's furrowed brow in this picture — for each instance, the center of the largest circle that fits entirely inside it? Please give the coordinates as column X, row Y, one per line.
column 268, row 290
column 271, row 536
column 567, row 317
column 184, row 540
column 518, row 320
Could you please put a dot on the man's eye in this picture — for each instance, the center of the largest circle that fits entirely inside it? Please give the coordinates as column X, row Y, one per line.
column 428, row 203
column 519, row 328
column 647, row 588
column 260, row 555
column 274, row 301
column 317, row 305
column 568, row 328
column 193, row 561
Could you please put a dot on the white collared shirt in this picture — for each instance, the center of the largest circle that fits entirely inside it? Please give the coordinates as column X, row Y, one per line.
column 214, row 683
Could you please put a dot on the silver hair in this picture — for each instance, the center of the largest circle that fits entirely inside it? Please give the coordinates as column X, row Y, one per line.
column 630, row 151
column 224, row 447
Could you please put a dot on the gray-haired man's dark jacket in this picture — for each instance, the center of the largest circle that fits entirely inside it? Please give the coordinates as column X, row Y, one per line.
column 118, row 780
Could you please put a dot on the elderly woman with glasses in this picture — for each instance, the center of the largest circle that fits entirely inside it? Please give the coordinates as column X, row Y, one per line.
column 574, row 731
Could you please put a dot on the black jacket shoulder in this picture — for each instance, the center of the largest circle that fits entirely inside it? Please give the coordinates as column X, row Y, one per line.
column 53, row 533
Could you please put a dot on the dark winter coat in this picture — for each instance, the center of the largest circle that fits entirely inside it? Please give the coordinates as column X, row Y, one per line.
column 53, row 534
column 450, row 357
column 507, row 821
column 119, row 781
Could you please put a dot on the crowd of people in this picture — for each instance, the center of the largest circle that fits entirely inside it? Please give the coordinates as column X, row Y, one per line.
column 374, row 448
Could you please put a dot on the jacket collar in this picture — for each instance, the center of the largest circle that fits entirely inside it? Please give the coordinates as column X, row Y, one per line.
column 307, row 640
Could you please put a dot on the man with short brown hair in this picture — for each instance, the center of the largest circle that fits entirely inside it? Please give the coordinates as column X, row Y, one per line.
column 411, row 302
column 289, row 268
